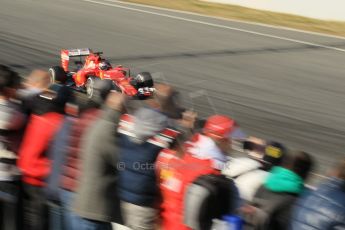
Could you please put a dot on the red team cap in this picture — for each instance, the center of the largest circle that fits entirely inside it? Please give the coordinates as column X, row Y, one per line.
column 221, row 126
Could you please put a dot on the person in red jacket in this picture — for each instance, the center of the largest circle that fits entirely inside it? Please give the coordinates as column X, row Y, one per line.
column 33, row 161
column 204, row 154
column 170, row 178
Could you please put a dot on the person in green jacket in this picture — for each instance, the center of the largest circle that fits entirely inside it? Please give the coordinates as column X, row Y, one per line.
column 273, row 201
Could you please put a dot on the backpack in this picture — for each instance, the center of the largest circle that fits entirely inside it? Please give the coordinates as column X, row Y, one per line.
column 208, row 197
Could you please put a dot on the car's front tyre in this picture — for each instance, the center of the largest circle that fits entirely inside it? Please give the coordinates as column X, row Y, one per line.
column 143, row 79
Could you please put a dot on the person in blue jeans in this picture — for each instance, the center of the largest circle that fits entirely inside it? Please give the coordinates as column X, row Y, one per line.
column 57, row 154
column 71, row 220
column 88, row 112
column 58, row 200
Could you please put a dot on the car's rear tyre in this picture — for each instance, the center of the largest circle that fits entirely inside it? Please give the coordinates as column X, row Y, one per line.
column 143, row 79
column 97, row 89
column 90, row 86
column 57, row 75
column 109, row 85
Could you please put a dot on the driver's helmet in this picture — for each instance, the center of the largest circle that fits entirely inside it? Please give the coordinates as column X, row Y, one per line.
column 104, row 65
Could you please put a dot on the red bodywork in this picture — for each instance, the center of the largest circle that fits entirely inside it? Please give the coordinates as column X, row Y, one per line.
column 90, row 67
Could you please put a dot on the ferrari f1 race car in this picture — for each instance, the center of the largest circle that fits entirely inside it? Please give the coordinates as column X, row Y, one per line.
column 94, row 68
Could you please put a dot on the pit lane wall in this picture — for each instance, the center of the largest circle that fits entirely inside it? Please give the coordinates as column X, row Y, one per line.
column 319, row 9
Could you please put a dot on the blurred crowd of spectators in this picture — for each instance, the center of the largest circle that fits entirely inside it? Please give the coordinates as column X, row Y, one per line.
column 69, row 162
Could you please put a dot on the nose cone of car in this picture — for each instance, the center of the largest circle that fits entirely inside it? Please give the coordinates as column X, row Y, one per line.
column 129, row 90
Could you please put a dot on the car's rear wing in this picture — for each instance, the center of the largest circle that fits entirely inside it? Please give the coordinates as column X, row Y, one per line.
column 78, row 52
column 66, row 54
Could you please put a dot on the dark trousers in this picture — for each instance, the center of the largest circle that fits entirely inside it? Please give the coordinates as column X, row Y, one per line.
column 56, row 221
column 35, row 208
column 10, row 205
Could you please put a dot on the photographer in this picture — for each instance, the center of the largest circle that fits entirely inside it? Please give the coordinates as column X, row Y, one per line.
column 250, row 172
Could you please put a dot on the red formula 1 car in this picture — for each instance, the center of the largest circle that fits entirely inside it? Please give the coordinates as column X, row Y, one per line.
column 93, row 68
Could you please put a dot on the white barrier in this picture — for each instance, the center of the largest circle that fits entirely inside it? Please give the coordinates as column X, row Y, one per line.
column 321, row 9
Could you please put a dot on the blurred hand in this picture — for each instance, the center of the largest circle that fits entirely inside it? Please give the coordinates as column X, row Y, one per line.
column 39, row 79
column 163, row 90
column 256, row 140
column 188, row 119
column 161, row 96
column 247, row 209
column 116, row 100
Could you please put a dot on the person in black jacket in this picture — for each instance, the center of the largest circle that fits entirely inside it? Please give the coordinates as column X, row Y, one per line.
column 143, row 135
column 324, row 208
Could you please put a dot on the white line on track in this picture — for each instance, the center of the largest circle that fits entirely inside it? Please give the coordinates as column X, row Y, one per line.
column 113, row 4
column 228, row 19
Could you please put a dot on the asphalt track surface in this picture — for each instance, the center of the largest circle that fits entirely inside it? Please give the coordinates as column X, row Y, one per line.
column 278, row 84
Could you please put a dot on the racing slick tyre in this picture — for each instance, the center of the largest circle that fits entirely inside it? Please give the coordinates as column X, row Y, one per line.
column 90, row 86
column 57, row 75
column 101, row 89
column 107, row 85
column 98, row 89
column 143, row 79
